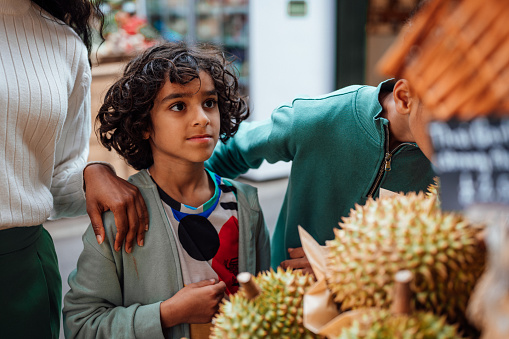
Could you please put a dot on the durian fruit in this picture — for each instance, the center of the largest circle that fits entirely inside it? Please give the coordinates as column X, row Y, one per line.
column 400, row 322
column 381, row 324
column 433, row 190
column 404, row 232
column 275, row 313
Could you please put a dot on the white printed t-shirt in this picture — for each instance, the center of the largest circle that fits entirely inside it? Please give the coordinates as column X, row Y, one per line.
column 207, row 236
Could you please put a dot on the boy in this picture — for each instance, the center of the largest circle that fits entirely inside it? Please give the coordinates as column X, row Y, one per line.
column 344, row 146
column 165, row 116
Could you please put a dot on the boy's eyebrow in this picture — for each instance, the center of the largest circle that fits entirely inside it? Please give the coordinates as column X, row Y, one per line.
column 186, row 95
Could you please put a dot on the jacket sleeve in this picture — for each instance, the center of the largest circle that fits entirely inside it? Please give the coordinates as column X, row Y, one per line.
column 272, row 139
column 93, row 306
column 72, row 147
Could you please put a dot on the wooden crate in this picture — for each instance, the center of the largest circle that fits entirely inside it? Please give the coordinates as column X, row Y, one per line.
column 455, row 54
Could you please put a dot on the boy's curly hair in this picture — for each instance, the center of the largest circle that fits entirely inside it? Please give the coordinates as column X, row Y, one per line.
column 125, row 113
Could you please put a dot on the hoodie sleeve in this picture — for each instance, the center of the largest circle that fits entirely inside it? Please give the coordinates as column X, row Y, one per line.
column 93, row 308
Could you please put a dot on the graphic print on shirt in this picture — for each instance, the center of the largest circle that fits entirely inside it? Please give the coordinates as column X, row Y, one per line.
column 198, row 237
column 208, row 235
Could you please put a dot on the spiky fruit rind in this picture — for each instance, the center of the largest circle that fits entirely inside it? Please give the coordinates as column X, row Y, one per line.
column 275, row 313
column 404, row 232
column 433, row 190
column 383, row 325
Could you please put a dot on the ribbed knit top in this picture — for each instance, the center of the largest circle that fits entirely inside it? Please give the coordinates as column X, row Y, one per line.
column 44, row 116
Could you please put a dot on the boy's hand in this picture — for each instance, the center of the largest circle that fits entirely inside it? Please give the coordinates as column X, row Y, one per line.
column 298, row 261
column 194, row 304
column 105, row 191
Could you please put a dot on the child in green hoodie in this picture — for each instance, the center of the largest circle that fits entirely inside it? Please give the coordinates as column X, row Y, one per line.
column 165, row 116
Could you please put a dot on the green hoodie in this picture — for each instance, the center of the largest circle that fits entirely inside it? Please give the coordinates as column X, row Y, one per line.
column 118, row 294
column 337, row 144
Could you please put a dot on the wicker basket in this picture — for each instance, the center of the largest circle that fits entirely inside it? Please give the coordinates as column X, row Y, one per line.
column 455, row 54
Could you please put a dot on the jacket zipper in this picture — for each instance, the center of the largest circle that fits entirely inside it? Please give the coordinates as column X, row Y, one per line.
column 386, row 163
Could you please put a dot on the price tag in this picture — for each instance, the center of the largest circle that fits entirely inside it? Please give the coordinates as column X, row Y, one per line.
column 472, row 160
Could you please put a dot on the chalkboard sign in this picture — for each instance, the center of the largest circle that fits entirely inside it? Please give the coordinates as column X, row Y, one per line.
column 472, row 160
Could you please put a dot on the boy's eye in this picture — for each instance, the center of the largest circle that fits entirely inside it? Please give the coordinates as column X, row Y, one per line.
column 177, row 107
column 211, row 103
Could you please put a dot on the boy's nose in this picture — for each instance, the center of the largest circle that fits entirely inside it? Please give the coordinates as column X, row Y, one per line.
column 201, row 118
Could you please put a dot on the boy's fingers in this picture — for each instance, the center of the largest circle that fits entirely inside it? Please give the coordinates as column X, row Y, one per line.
column 295, row 263
column 204, row 283
column 296, row 252
column 221, row 287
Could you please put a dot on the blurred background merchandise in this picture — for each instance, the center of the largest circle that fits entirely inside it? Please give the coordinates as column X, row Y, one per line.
column 280, row 48
column 126, row 33
column 220, row 22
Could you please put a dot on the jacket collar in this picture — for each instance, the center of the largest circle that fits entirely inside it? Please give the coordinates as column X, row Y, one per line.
column 368, row 109
column 142, row 179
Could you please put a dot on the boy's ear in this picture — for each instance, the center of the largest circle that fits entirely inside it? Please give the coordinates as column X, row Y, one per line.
column 146, row 135
column 403, row 97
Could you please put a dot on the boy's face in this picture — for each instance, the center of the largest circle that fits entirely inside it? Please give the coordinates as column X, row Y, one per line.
column 415, row 128
column 418, row 123
column 185, row 122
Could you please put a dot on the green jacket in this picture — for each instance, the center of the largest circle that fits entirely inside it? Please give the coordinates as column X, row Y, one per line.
column 337, row 144
column 117, row 295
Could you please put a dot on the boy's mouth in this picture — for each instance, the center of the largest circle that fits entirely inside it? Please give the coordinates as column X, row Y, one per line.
column 201, row 137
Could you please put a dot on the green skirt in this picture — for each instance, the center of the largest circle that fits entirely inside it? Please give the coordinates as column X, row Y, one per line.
column 30, row 284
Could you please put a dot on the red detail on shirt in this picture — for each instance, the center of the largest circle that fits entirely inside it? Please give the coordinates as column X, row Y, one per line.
column 226, row 260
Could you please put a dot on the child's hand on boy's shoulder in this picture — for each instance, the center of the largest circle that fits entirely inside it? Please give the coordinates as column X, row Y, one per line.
column 194, row 304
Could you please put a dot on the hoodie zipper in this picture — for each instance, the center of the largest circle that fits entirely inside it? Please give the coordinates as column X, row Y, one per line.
column 386, row 163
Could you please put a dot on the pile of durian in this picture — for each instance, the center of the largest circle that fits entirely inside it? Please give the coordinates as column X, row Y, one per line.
column 276, row 312
column 377, row 240
column 405, row 232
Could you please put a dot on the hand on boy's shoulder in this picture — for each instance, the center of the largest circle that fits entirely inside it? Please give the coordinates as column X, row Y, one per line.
column 104, row 191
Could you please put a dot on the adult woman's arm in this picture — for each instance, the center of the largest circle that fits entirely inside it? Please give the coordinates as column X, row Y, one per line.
column 105, row 191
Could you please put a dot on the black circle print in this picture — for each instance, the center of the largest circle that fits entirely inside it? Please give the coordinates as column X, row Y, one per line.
column 198, row 237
